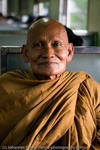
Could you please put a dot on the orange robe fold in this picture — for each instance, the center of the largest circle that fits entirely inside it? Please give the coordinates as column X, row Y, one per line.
column 60, row 112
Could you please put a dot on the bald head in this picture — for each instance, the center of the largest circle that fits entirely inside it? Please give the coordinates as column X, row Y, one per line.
column 45, row 24
column 47, row 48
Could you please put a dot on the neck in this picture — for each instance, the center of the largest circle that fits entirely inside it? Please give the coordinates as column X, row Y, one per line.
column 43, row 77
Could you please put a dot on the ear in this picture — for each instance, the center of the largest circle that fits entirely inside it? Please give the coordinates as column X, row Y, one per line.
column 24, row 52
column 70, row 52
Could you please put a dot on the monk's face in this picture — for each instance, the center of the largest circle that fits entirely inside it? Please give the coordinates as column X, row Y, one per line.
column 48, row 49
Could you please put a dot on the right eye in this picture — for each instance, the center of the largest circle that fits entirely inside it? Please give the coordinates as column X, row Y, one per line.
column 37, row 45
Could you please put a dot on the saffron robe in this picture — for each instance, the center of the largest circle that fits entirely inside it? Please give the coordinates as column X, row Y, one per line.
column 39, row 113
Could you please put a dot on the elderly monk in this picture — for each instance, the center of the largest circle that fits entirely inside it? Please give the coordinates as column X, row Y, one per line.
column 48, row 107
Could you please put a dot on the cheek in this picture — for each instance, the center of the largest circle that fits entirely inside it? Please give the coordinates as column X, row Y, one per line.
column 62, row 55
column 33, row 56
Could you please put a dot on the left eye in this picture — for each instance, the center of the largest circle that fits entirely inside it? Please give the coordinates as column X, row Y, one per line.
column 55, row 44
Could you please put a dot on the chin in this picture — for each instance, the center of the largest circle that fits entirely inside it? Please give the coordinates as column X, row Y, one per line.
column 47, row 74
column 50, row 74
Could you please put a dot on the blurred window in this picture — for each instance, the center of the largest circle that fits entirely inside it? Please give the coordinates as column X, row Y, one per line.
column 77, row 14
column 3, row 7
column 63, row 11
column 73, row 13
column 41, row 9
column 0, row 6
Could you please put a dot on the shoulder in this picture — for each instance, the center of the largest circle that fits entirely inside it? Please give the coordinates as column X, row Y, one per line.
column 13, row 75
column 89, row 90
column 87, row 85
column 87, row 78
column 10, row 81
column 90, row 83
column 77, row 76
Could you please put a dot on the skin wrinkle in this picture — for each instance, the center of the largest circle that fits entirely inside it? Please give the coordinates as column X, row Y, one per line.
column 52, row 50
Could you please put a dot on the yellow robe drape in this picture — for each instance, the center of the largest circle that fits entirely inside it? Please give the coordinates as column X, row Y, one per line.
column 41, row 113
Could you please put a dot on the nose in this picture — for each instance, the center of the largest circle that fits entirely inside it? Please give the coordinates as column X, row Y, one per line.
column 48, row 51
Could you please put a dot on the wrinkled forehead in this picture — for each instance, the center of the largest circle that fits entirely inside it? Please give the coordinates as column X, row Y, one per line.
column 49, row 28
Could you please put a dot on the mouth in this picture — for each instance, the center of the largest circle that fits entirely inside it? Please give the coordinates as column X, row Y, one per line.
column 48, row 63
